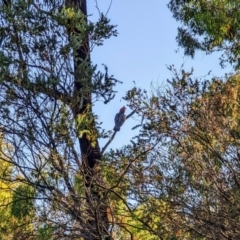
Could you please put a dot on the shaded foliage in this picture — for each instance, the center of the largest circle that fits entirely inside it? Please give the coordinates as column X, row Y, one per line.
column 208, row 26
column 194, row 127
column 47, row 81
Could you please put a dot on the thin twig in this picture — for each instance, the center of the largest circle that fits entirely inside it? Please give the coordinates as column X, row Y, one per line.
column 108, row 8
column 99, row 12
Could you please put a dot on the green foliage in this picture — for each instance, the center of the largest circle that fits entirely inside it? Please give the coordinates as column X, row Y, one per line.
column 23, row 201
column 194, row 166
column 45, row 233
column 9, row 224
column 86, row 126
column 137, row 209
column 178, row 179
column 148, row 220
column 47, row 83
column 208, row 26
column 79, row 184
column 6, row 219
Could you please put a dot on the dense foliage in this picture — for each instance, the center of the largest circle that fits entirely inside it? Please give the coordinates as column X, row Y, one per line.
column 194, row 128
column 46, row 83
column 178, row 178
column 208, row 26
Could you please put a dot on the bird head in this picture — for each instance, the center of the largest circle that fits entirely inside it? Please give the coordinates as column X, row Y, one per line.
column 122, row 110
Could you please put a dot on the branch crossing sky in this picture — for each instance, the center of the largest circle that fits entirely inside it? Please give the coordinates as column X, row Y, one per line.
column 145, row 46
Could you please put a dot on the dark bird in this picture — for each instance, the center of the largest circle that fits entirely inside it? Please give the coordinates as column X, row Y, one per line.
column 119, row 119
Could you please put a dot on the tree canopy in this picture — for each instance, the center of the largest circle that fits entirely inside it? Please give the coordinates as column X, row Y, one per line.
column 208, row 26
column 177, row 179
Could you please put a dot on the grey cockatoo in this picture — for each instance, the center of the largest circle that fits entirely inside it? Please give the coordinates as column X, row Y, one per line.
column 119, row 119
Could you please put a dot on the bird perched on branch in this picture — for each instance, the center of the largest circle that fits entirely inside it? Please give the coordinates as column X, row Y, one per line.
column 119, row 119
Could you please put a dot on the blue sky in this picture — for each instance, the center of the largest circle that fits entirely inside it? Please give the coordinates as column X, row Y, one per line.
column 145, row 45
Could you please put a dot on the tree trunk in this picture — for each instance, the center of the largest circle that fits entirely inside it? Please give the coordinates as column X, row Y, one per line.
column 91, row 155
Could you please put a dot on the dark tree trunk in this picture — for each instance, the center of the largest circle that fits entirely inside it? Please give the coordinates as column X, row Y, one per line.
column 97, row 214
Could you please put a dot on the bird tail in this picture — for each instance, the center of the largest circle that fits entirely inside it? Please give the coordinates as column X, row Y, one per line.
column 116, row 128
